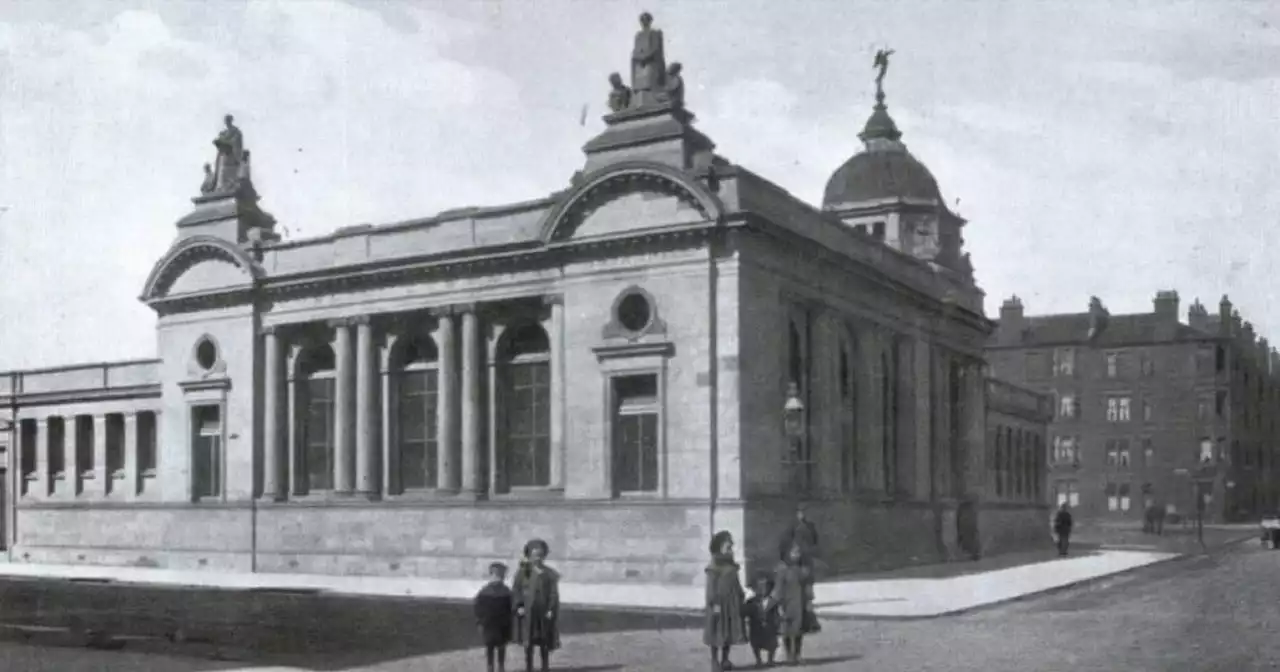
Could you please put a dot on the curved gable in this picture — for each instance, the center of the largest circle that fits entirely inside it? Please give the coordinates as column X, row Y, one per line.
column 627, row 197
column 200, row 264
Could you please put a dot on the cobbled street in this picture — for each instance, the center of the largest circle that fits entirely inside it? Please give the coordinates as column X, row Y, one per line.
column 1213, row 612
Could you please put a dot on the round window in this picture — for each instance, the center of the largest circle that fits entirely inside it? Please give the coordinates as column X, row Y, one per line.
column 206, row 354
column 634, row 312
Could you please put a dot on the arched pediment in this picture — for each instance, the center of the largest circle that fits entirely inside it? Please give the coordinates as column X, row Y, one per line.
column 627, row 197
column 200, row 264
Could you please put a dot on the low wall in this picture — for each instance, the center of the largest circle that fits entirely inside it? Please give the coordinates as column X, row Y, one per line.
column 1012, row 528
column 606, row 541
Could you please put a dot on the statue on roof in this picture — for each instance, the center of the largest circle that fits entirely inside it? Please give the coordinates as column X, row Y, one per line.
column 619, row 94
column 230, row 146
column 673, row 90
column 882, row 63
column 210, row 181
column 648, row 63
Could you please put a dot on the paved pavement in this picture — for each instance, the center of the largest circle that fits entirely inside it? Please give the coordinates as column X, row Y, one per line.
column 912, row 593
column 1204, row 613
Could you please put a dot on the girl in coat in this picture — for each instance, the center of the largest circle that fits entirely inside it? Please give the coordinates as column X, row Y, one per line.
column 793, row 593
column 724, row 613
column 536, row 592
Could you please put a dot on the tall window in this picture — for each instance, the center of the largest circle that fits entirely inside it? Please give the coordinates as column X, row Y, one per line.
column 1037, row 468
column 1113, row 498
column 84, row 446
column 848, row 421
column 418, row 428
column 146, row 444
column 1066, row 492
column 27, row 455
column 1113, row 364
column 635, row 434
column 1118, row 409
column 55, row 447
column 1146, row 410
column 1122, row 447
column 1147, row 366
column 1064, row 362
column 316, row 387
column 1019, row 456
column 1067, row 406
column 525, row 371
column 1206, row 451
column 1148, row 451
column 206, row 451
column 1123, row 492
column 114, row 439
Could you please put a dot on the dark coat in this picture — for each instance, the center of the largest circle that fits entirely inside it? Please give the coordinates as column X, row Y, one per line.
column 802, row 533
column 762, row 623
column 538, row 594
column 495, row 613
column 724, row 624
column 1062, row 522
column 793, row 593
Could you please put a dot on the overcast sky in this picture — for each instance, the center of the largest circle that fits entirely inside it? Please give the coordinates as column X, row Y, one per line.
column 1095, row 148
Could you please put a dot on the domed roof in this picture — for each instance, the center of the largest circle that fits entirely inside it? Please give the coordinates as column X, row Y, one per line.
column 884, row 169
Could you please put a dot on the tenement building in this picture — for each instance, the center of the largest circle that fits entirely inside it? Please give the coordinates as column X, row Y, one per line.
column 1151, row 411
column 669, row 346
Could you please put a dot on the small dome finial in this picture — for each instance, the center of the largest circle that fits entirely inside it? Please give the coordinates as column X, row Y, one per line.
column 880, row 126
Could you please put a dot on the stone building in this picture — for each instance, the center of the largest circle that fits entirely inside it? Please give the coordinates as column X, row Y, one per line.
column 1150, row 409
column 419, row 398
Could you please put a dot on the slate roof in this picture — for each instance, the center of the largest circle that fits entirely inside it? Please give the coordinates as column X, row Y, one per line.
column 1118, row 331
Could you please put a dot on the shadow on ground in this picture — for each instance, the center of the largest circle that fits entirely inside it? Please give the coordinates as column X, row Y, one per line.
column 307, row 630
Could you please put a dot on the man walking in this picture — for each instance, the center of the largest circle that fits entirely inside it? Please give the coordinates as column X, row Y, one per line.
column 1062, row 524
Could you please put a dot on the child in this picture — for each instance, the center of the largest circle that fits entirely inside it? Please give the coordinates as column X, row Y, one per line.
column 537, row 603
column 793, row 593
column 762, row 620
column 724, row 616
column 493, row 606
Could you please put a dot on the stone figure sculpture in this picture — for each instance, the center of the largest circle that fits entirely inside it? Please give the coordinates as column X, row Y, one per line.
column 619, row 95
column 230, row 146
column 673, row 89
column 882, row 63
column 210, row 180
column 648, row 62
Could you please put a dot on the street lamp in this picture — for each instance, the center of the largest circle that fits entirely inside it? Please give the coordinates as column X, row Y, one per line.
column 793, row 425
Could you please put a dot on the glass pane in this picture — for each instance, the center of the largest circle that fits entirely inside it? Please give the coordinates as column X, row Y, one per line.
column 649, row 453
column 413, row 473
column 626, row 429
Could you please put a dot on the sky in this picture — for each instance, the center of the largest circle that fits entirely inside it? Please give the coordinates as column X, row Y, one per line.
column 1112, row 149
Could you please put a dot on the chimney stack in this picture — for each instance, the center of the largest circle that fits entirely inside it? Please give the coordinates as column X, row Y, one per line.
column 1166, row 305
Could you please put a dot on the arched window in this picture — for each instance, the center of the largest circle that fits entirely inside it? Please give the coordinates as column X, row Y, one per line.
column 315, row 388
column 1019, row 456
column 848, row 419
column 417, row 389
column 524, row 382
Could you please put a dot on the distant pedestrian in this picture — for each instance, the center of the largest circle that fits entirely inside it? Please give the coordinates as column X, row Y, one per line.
column 724, row 622
column 762, row 620
column 793, row 593
column 494, row 607
column 1062, row 524
column 804, row 533
column 537, row 604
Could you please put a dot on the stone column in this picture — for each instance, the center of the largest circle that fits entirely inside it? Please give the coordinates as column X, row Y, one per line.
column 557, row 391
column 343, row 398
column 131, row 476
column 101, row 474
column 924, row 378
column 366, row 410
column 274, row 418
column 43, row 484
column 470, row 401
column 975, row 432
column 447, row 403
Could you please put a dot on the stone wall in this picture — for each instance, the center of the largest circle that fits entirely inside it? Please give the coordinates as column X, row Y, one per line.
column 1012, row 527
column 601, row 541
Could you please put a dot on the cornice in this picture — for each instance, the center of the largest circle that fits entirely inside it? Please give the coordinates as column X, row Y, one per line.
column 84, row 396
column 220, row 383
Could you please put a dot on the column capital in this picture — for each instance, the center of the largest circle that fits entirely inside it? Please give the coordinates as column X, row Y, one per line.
column 553, row 299
column 469, row 308
column 442, row 311
column 273, row 329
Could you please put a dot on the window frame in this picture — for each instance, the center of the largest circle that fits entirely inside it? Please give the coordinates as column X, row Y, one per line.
column 218, row 463
column 400, row 371
column 619, row 409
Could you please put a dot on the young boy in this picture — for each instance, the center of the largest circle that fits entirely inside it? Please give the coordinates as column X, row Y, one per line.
column 762, row 620
column 493, row 607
